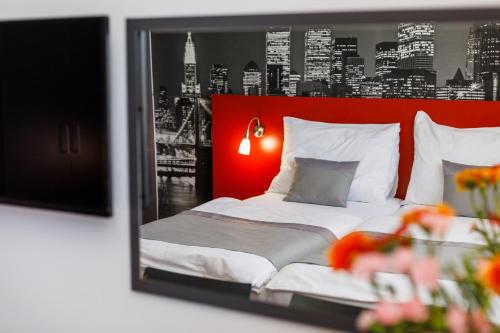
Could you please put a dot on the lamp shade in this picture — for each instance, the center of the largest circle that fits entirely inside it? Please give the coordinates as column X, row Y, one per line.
column 244, row 147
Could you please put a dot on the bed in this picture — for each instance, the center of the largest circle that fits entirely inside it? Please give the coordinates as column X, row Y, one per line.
column 241, row 267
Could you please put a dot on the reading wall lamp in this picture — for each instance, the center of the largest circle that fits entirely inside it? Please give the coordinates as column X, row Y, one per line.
column 258, row 131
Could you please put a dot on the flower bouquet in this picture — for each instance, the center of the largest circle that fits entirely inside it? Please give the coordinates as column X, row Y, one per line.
column 477, row 274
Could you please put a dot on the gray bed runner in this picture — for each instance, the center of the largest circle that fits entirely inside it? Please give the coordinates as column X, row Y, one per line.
column 448, row 253
column 280, row 243
column 318, row 257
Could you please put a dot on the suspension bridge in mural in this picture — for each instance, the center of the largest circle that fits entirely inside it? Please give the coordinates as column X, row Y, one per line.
column 183, row 152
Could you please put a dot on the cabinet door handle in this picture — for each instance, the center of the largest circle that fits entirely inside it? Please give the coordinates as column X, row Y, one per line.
column 75, row 139
column 64, row 139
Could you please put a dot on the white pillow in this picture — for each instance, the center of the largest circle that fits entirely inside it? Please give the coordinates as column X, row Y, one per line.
column 375, row 146
column 435, row 143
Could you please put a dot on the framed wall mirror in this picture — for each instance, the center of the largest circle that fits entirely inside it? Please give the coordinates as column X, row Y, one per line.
column 218, row 214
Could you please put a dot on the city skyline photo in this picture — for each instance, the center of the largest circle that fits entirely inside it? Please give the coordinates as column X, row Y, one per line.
column 450, row 61
column 235, row 50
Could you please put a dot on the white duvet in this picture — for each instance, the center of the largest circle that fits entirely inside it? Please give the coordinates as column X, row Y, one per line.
column 248, row 268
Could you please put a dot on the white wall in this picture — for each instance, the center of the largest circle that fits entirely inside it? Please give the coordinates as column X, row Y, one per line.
column 68, row 273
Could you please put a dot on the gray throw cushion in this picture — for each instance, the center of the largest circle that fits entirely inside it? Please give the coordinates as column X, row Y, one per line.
column 460, row 201
column 321, row 182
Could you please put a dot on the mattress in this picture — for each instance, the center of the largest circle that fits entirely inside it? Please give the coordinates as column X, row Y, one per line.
column 325, row 283
column 248, row 268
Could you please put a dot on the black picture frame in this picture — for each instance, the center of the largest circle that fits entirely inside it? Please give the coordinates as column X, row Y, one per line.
column 139, row 107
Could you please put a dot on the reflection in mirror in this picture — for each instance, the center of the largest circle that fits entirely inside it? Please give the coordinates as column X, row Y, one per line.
column 253, row 187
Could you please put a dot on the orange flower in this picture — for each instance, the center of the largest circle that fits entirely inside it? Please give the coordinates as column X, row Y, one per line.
column 470, row 179
column 495, row 174
column 432, row 219
column 445, row 210
column 489, row 274
column 343, row 252
column 416, row 216
column 495, row 219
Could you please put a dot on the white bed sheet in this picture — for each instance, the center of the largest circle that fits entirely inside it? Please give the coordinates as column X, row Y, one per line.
column 249, row 268
column 459, row 230
column 324, row 282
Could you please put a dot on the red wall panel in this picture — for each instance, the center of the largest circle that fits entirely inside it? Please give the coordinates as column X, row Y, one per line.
column 241, row 176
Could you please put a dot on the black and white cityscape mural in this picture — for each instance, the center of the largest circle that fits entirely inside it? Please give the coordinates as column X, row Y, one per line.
column 431, row 60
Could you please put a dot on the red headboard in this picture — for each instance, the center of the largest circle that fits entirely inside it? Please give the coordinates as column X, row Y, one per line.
column 241, row 176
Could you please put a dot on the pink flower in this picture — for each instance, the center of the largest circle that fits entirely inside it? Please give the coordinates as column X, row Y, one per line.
column 433, row 220
column 387, row 313
column 437, row 223
column 415, row 311
column 425, row 273
column 456, row 319
column 365, row 320
column 480, row 323
column 401, row 260
column 367, row 264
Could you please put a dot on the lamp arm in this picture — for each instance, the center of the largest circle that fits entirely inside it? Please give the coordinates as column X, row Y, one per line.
column 247, row 134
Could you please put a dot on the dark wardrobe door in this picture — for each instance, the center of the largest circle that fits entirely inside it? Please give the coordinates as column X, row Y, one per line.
column 34, row 90
column 87, row 123
column 53, row 125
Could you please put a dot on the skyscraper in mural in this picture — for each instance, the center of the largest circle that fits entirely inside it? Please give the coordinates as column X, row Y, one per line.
column 354, row 73
column 219, row 83
column 313, row 89
column 415, row 76
column 343, row 47
column 371, row 87
column 318, row 49
column 185, row 106
column 190, row 87
column 164, row 115
column 278, row 62
column 294, row 82
column 409, row 83
column 386, row 57
column 416, row 46
column 489, row 59
column 489, row 47
column 458, row 88
column 483, row 58
column 252, row 79
column 184, row 113
column 472, row 66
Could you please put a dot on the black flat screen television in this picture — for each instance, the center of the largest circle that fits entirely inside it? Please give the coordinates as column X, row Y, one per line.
column 53, row 114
